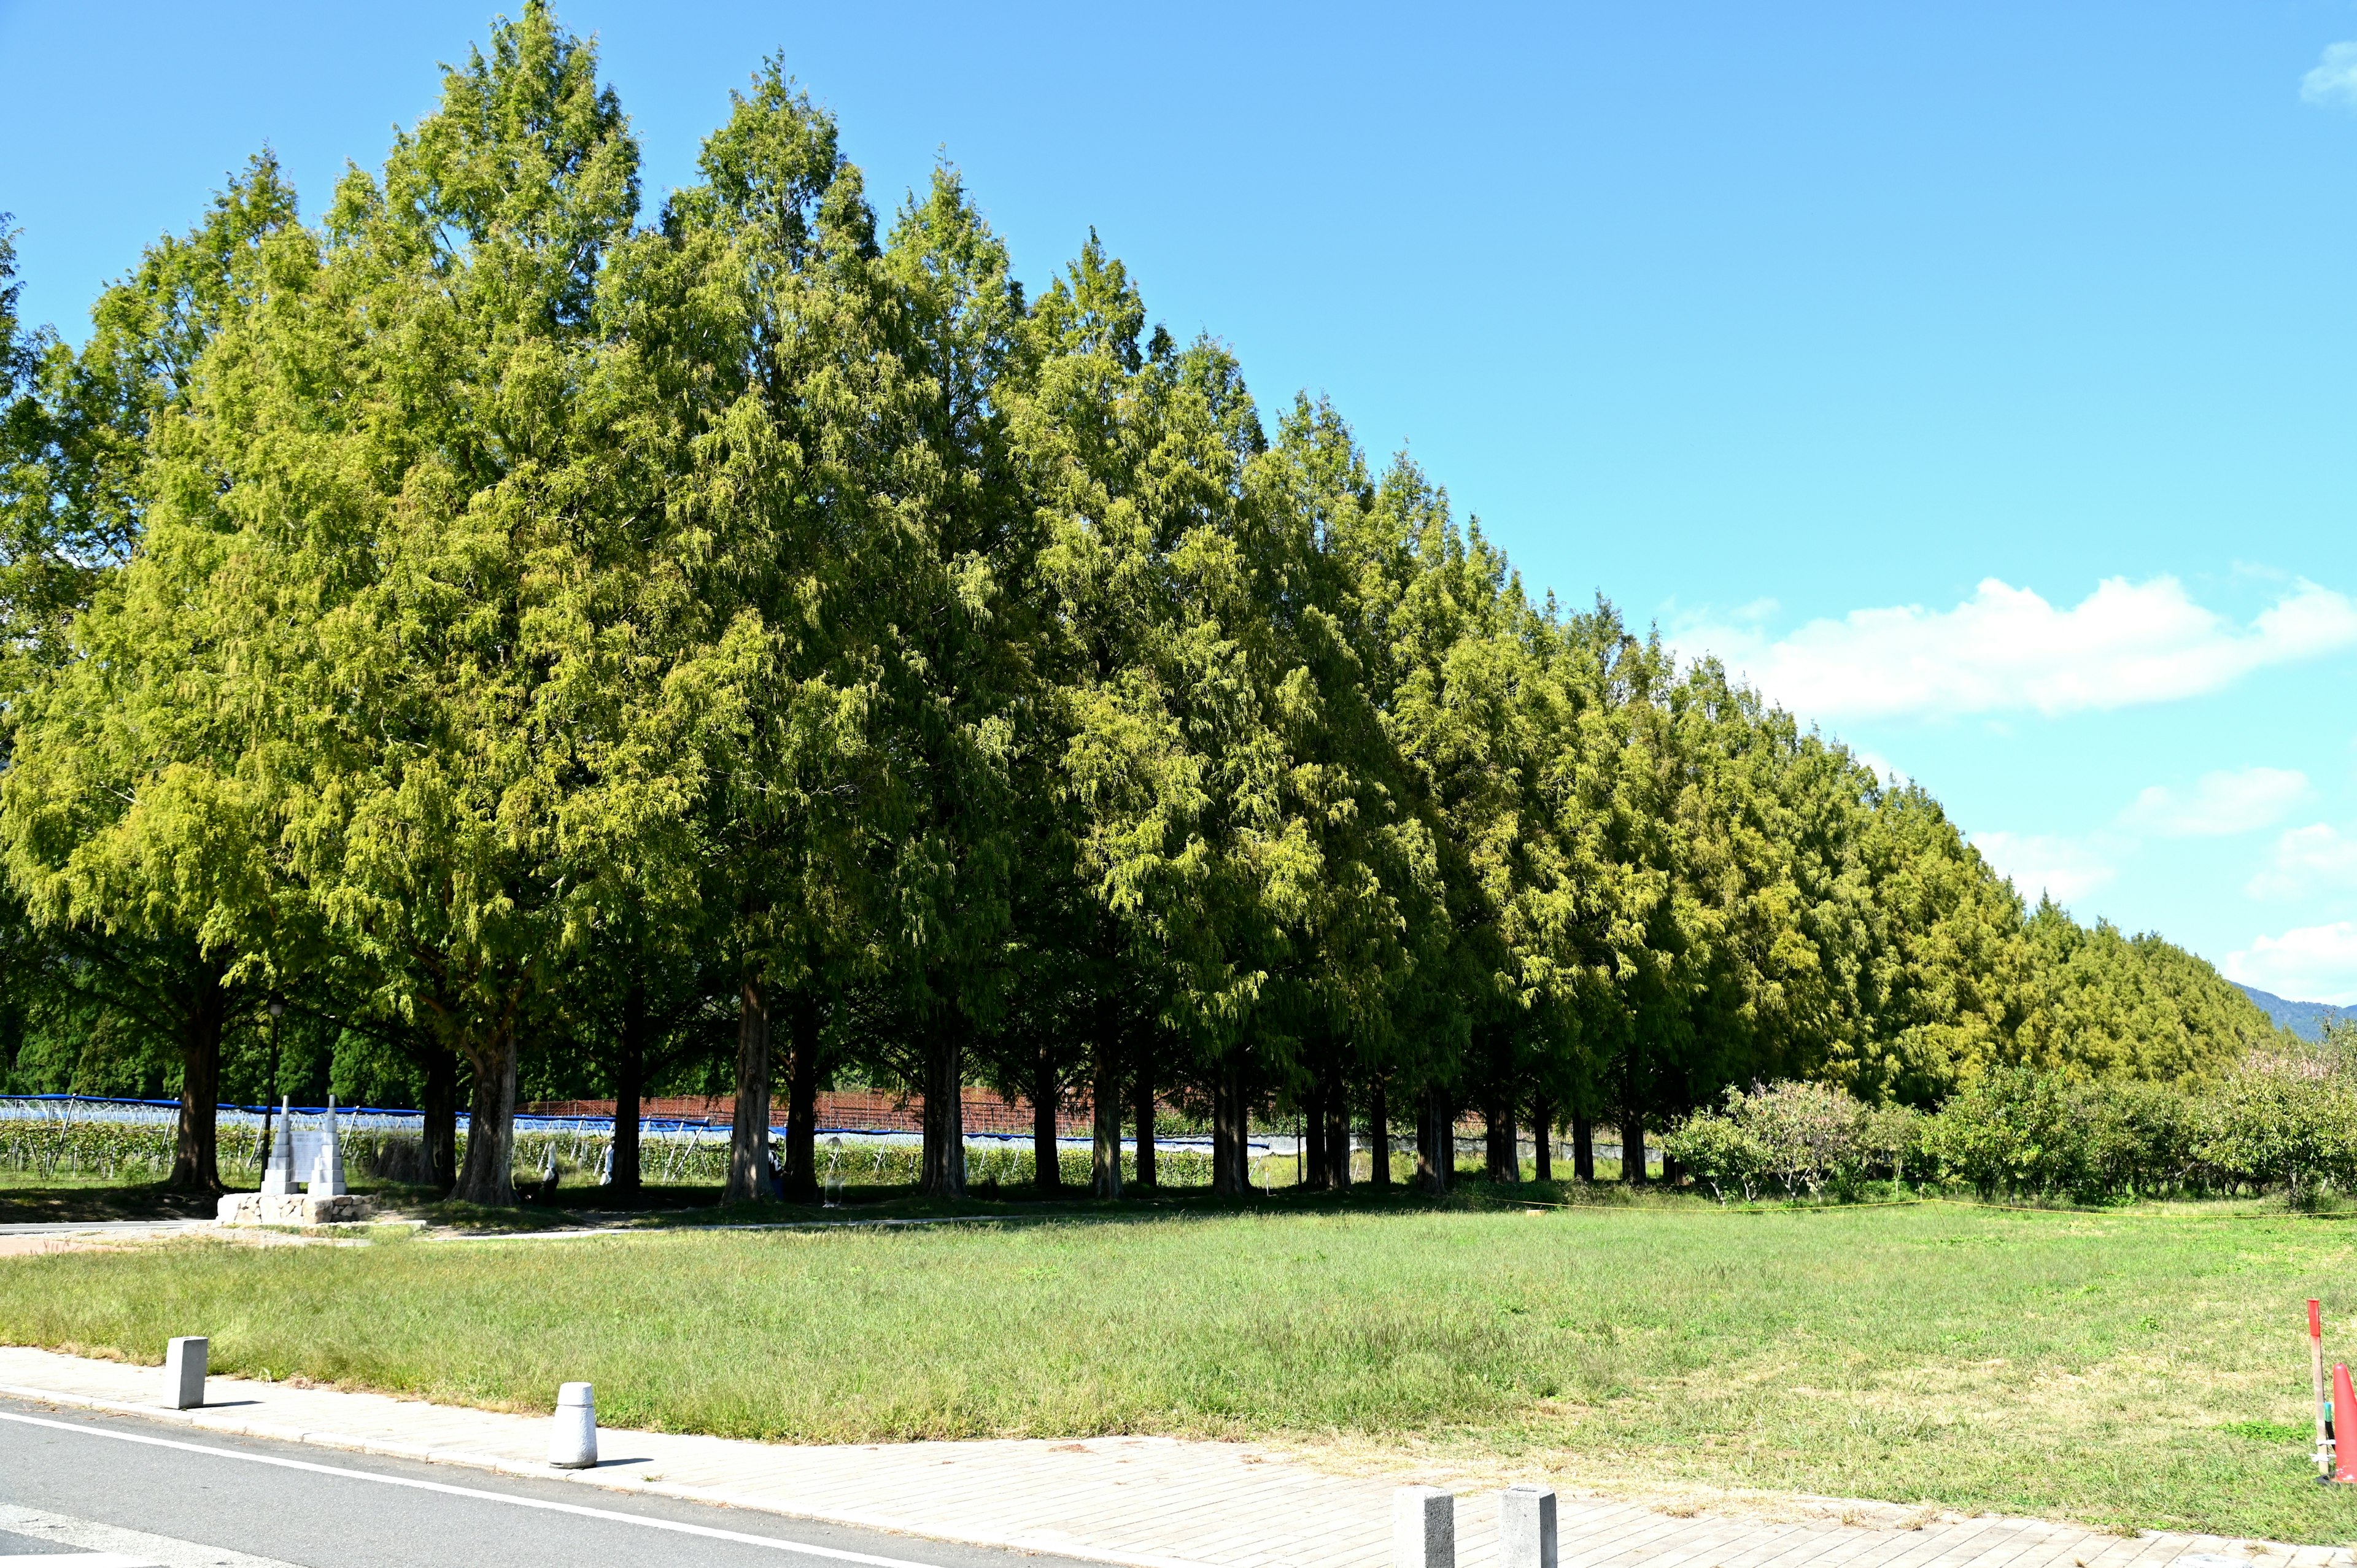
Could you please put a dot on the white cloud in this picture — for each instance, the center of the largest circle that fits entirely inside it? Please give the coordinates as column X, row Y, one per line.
column 2006, row 649
column 2334, row 79
column 2314, row 963
column 2318, row 856
column 2066, row 869
column 2219, row 804
column 1879, row 765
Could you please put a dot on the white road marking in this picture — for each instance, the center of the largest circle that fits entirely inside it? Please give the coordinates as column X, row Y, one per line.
column 110, row 1546
column 578, row 1511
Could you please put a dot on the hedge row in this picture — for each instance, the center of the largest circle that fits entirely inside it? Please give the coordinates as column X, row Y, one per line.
column 2274, row 1125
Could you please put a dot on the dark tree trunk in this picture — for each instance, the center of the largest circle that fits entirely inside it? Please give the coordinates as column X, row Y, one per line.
column 488, row 1177
column 1314, row 1164
column 196, row 1157
column 630, row 1088
column 441, row 1118
column 1501, row 1148
column 801, row 1097
column 944, row 1165
column 1047, row 1093
column 1231, row 1134
column 1583, row 1146
column 1542, row 1139
column 1633, row 1148
column 1338, row 1133
column 748, row 1133
column 1632, row 1124
column 1378, row 1135
column 1142, row 1112
column 1104, row 1150
column 1436, row 1159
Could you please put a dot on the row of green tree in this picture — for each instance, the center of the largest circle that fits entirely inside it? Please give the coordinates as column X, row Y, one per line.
column 528, row 644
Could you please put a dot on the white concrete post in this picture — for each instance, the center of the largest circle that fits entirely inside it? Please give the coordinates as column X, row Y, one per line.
column 573, row 1441
column 1424, row 1528
column 278, row 1177
column 184, row 1371
column 1526, row 1526
column 327, row 1167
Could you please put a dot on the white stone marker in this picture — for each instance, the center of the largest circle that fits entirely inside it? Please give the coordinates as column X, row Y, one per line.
column 1526, row 1526
column 184, row 1371
column 327, row 1165
column 573, row 1443
column 278, row 1175
column 1424, row 1528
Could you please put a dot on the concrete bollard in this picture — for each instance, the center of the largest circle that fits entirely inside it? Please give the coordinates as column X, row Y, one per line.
column 573, row 1443
column 1424, row 1528
column 1526, row 1526
column 184, row 1371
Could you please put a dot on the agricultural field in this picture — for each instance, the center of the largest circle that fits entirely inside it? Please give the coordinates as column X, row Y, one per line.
column 2135, row 1367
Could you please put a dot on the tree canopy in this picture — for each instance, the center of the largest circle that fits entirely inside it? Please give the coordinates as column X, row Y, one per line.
column 523, row 632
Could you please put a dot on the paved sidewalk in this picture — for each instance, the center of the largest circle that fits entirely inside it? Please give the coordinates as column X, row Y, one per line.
column 73, row 1235
column 1139, row 1501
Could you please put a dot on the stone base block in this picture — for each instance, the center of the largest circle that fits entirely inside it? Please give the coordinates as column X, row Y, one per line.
column 289, row 1208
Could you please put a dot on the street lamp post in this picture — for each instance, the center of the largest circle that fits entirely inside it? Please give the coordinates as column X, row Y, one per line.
column 277, row 1010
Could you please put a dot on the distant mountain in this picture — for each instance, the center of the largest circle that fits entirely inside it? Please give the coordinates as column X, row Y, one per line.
column 2305, row 1019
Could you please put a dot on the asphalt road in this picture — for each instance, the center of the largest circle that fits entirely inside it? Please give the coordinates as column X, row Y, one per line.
column 118, row 1490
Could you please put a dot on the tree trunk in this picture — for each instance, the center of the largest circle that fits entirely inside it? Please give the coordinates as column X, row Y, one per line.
column 489, row 1178
column 1046, row 1094
column 1338, row 1133
column 1501, row 1148
column 944, row 1165
column 630, row 1088
column 1314, row 1164
column 1583, row 1146
column 441, row 1118
column 1436, row 1159
column 1378, row 1135
column 1231, row 1134
column 1632, row 1124
column 1104, row 1151
column 196, row 1161
column 1542, row 1139
column 801, row 1097
column 1142, row 1112
column 748, row 1135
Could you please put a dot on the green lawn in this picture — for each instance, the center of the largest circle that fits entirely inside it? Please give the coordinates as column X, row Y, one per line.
column 2144, row 1367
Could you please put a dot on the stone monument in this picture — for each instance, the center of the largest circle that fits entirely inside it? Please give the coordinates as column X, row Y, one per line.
column 328, row 1201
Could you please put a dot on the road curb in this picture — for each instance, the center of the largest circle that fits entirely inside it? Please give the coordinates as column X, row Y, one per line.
column 230, row 1426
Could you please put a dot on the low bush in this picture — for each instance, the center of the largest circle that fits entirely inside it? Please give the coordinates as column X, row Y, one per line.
column 2277, row 1123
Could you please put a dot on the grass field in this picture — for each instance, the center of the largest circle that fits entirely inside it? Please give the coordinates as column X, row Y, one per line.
column 2137, row 1367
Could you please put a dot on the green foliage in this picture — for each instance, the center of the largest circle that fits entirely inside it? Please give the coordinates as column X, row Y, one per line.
column 2284, row 1124
column 2287, row 1124
column 496, row 618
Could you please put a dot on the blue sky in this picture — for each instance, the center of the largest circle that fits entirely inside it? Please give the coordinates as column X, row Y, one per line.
column 1976, row 377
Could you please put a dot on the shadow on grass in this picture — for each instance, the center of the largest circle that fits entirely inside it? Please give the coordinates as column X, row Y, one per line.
column 690, row 1208
column 76, row 1203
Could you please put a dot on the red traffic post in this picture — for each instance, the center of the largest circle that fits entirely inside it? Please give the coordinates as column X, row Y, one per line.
column 2345, row 1411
